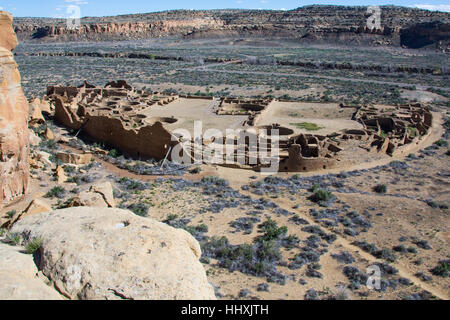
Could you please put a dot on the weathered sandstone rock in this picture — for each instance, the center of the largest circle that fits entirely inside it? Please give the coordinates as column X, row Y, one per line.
column 34, row 139
column 18, row 280
column 93, row 253
column 8, row 40
column 14, row 137
column 89, row 199
column 106, row 191
column 45, row 106
column 60, row 175
column 99, row 195
column 74, row 158
column 44, row 157
column 36, row 206
column 49, row 135
column 35, row 113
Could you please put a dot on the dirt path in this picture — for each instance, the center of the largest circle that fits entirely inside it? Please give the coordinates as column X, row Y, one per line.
column 205, row 67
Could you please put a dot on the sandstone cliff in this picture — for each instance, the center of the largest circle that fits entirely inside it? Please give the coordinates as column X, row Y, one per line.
column 14, row 169
column 307, row 24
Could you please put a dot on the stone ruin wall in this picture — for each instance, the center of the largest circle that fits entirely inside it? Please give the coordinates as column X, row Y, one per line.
column 392, row 130
column 146, row 141
column 386, row 130
column 310, row 153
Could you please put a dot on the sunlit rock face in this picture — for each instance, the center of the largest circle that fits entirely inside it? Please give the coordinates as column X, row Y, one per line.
column 14, row 147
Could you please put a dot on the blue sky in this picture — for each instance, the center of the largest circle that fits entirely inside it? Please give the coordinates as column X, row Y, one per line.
column 58, row 8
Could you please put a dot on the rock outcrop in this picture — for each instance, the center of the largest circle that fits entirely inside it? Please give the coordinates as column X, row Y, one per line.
column 93, row 253
column 425, row 34
column 306, row 24
column 14, row 137
column 60, row 175
column 74, row 158
column 99, row 195
column 35, row 112
column 18, row 277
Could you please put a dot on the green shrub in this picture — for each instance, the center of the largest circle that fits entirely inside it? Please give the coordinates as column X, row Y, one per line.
column 196, row 170
column 69, row 169
column 114, row 153
column 13, row 238
column 57, row 191
column 413, row 132
column 320, row 195
column 131, row 184
column 195, row 230
column 271, row 230
column 139, row 209
column 75, row 179
column 383, row 134
column 48, row 145
column 441, row 143
column 55, row 160
column 33, row 245
column 215, row 180
column 381, row 188
column 172, row 217
column 307, row 126
column 442, row 269
column 11, row 213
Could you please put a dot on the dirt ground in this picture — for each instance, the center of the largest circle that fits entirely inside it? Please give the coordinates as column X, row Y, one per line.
column 329, row 117
column 187, row 111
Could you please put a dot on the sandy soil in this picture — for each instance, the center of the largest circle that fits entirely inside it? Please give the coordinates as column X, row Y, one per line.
column 187, row 111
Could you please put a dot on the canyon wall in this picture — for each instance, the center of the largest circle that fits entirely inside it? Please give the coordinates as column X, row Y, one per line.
column 14, row 148
column 314, row 24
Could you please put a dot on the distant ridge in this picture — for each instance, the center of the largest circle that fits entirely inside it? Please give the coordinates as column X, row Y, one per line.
column 310, row 24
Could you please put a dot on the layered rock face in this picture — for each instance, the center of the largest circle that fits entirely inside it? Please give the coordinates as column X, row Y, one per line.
column 96, row 254
column 14, row 148
column 306, row 24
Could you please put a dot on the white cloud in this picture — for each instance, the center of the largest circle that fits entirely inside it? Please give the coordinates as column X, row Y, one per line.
column 78, row 2
column 433, row 7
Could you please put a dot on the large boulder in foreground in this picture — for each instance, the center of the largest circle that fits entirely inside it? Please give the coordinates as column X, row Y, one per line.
column 14, row 137
column 101, row 253
column 18, row 280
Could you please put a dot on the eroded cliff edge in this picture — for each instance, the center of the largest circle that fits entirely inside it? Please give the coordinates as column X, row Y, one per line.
column 308, row 24
column 14, row 148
